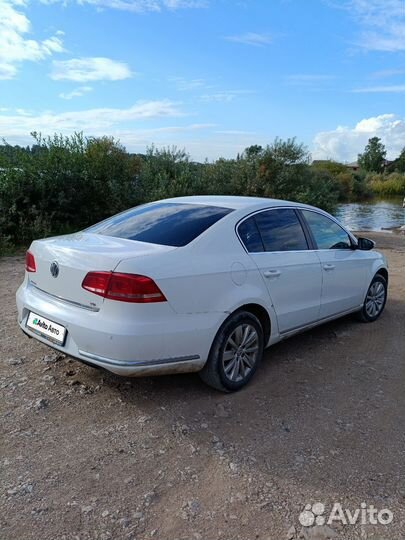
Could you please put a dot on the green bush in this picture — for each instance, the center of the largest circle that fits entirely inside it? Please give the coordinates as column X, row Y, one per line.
column 62, row 184
column 390, row 184
column 66, row 184
column 320, row 190
column 350, row 185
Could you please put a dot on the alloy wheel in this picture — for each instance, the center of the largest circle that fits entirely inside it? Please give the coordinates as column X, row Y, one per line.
column 375, row 299
column 240, row 352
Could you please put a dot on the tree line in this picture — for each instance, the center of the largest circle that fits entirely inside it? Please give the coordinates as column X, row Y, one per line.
column 62, row 184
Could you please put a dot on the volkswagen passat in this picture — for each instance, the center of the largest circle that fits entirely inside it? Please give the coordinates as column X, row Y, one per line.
column 197, row 284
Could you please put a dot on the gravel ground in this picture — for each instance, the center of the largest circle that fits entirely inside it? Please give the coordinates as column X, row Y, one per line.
column 87, row 455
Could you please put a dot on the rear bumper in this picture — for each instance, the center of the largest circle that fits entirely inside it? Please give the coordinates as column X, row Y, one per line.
column 163, row 366
column 156, row 345
column 151, row 367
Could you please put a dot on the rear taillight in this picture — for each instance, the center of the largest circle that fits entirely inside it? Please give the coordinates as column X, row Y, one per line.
column 97, row 282
column 123, row 287
column 30, row 262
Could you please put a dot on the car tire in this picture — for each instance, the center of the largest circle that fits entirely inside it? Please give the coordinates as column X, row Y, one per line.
column 235, row 353
column 375, row 300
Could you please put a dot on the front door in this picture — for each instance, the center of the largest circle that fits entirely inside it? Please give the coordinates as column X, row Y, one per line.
column 343, row 268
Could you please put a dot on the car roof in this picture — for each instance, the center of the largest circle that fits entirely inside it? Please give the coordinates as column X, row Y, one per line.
column 234, row 202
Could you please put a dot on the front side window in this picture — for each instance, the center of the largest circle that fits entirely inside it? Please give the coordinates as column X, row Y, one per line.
column 327, row 233
column 273, row 230
column 168, row 224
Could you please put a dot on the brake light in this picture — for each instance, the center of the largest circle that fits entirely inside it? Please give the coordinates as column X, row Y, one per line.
column 123, row 287
column 97, row 282
column 30, row 265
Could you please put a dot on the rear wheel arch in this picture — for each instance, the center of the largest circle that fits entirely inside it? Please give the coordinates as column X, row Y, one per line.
column 214, row 372
column 262, row 314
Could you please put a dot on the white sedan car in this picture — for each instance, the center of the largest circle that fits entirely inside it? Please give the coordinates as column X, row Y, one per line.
column 197, row 284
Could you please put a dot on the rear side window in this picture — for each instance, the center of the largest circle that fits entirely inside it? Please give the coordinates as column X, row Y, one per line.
column 168, row 224
column 250, row 235
column 327, row 233
column 281, row 230
column 273, row 230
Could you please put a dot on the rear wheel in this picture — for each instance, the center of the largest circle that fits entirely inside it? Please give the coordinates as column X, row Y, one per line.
column 375, row 300
column 235, row 353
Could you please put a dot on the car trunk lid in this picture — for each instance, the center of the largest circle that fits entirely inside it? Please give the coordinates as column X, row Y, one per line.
column 62, row 262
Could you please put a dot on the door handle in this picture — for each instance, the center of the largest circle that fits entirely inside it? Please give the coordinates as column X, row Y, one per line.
column 328, row 267
column 271, row 273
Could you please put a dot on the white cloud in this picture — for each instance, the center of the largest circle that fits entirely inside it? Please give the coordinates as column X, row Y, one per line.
column 219, row 97
column 212, row 93
column 233, row 132
column 223, row 96
column 185, row 85
column 14, row 45
column 181, row 4
column 391, row 89
column 199, row 140
column 163, row 136
column 137, row 6
column 202, row 143
column 345, row 143
column 218, row 145
column 77, row 92
column 382, row 22
column 386, row 73
column 23, row 112
column 7, row 71
column 90, row 69
column 202, row 140
column 309, row 78
column 251, row 38
column 92, row 121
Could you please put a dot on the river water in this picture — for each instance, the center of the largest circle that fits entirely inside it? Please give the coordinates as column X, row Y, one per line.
column 373, row 215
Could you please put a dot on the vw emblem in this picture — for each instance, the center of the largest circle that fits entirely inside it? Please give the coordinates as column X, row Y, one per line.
column 54, row 269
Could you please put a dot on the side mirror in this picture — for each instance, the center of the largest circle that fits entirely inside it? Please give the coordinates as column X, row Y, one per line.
column 365, row 244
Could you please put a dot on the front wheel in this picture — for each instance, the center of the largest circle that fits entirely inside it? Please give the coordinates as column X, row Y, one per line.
column 235, row 353
column 375, row 300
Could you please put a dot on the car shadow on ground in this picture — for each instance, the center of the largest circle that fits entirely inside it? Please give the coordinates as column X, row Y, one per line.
column 303, row 344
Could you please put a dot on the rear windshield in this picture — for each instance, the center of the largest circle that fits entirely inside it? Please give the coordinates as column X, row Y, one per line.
column 169, row 224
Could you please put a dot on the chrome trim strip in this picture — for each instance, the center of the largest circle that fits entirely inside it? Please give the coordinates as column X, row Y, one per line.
column 320, row 321
column 64, row 300
column 143, row 363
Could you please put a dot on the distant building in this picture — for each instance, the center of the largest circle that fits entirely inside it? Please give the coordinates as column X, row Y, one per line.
column 389, row 166
column 353, row 166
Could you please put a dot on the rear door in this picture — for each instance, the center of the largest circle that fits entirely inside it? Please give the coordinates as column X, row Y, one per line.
column 277, row 243
column 343, row 270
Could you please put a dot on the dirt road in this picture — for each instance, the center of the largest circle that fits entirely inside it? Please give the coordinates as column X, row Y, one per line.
column 87, row 455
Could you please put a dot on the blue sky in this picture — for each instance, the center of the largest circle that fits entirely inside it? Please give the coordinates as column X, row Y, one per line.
column 213, row 76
